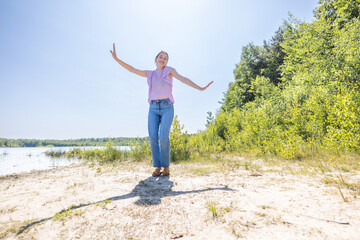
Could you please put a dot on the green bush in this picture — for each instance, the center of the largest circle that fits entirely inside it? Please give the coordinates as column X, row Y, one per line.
column 140, row 150
column 178, row 142
column 297, row 95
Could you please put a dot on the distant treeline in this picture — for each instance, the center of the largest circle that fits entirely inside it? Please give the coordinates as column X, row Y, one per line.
column 119, row 141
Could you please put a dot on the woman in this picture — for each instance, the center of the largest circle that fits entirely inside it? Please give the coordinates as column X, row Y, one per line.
column 161, row 111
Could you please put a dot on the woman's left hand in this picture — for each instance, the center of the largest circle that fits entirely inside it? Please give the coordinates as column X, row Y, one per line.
column 202, row 89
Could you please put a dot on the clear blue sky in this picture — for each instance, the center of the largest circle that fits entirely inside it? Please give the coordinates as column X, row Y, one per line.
column 59, row 81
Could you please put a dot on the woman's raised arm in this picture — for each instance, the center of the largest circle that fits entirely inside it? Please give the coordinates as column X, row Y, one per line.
column 127, row 66
column 187, row 81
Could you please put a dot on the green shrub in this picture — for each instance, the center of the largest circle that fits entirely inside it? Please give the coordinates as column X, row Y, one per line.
column 140, row 150
column 178, row 142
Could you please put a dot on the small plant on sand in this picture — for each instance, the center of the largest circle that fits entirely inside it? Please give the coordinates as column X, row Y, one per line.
column 8, row 210
column 16, row 227
column 75, row 185
column 213, row 209
column 254, row 168
column 227, row 209
column 68, row 213
column 340, row 182
column 62, row 215
column 103, row 203
column 265, row 207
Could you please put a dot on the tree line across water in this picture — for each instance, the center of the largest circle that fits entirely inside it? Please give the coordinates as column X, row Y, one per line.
column 119, row 141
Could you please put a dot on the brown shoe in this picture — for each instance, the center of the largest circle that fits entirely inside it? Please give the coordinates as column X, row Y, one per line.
column 166, row 172
column 157, row 172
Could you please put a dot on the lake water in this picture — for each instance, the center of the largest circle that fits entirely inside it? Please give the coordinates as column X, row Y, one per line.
column 17, row 160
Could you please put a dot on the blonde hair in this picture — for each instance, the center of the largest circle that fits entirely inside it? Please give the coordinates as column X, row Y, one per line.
column 162, row 51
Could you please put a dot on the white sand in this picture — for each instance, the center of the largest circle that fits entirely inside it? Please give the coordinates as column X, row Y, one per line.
column 270, row 206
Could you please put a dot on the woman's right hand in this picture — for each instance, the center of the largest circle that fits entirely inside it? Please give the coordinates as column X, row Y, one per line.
column 113, row 52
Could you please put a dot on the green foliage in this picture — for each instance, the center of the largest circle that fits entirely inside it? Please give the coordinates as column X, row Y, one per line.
column 205, row 143
column 140, row 150
column 109, row 154
column 209, row 119
column 178, row 142
column 343, row 130
column 255, row 61
column 55, row 153
column 298, row 94
column 338, row 12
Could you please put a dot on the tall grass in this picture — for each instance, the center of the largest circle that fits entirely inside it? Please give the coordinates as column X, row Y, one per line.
column 139, row 150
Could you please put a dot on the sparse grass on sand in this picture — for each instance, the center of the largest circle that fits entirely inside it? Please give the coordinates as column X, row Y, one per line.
column 210, row 197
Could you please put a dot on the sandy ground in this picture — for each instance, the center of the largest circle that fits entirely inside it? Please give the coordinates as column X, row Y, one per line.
column 125, row 202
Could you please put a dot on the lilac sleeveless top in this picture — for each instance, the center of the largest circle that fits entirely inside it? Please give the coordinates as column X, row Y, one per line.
column 160, row 84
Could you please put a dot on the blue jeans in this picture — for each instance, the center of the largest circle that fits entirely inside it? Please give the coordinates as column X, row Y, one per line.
column 161, row 114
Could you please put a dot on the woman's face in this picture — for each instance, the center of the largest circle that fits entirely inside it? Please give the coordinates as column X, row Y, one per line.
column 161, row 60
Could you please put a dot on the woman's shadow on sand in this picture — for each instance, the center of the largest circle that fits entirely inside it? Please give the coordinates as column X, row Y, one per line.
column 150, row 191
